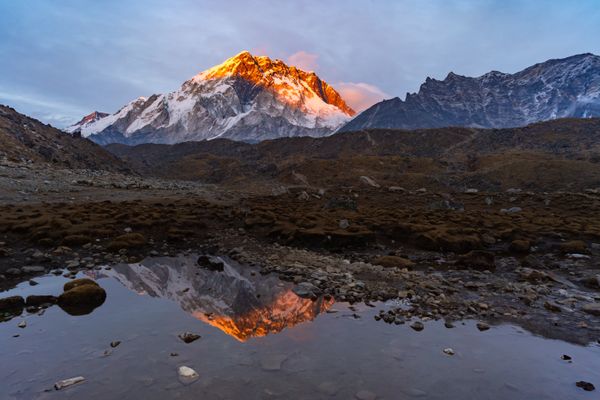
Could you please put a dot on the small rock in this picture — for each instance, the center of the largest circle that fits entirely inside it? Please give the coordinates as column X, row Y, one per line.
column 592, row 308
column 68, row 382
column 22, row 324
column 417, row 326
column 449, row 351
column 344, row 224
column 566, row 357
column 369, row 181
column 482, row 326
column 587, row 386
column 512, row 210
column 552, row 306
column 32, row 269
column 189, row 337
column 187, row 373
column 115, row 343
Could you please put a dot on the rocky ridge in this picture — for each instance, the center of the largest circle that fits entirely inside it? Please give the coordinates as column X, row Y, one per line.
column 561, row 88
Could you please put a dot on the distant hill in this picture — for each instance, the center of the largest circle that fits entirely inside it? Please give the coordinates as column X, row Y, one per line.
column 555, row 155
column 24, row 139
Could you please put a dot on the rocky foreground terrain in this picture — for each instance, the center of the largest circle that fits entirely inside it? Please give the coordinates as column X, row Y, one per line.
column 525, row 255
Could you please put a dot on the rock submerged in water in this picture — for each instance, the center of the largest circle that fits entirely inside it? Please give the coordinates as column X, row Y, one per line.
column 417, row 326
column 482, row 326
column 189, row 337
column 187, row 375
column 587, row 386
column 81, row 296
column 68, row 382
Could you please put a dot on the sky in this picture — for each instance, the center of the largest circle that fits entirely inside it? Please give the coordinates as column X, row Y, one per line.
column 62, row 59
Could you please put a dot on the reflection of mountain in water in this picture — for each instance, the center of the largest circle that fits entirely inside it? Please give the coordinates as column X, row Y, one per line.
column 241, row 303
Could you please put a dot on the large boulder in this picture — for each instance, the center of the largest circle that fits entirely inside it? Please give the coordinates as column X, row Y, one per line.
column 81, row 297
column 11, row 303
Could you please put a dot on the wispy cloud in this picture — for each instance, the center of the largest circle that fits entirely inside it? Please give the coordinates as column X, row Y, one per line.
column 304, row 60
column 360, row 95
column 51, row 111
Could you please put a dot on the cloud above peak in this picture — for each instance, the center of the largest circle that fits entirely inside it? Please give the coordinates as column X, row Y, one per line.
column 360, row 95
column 304, row 60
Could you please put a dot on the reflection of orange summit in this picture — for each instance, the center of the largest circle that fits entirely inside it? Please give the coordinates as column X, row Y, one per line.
column 286, row 81
column 285, row 311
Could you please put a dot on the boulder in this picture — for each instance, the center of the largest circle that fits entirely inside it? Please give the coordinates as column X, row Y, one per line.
column 11, row 303
column 78, row 282
column 81, row 297
column 35, row 300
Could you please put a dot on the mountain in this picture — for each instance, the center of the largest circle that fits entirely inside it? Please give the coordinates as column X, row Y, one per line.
column 568, row 87
column 24, row 139
column 238, row 301
column 245, row 98
column 86, row 121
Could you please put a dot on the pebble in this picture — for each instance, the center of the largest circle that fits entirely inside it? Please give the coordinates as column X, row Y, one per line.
column 115, row 343
column 187, row 372
column 68, row 382
column 449, row 351
column 22, row 324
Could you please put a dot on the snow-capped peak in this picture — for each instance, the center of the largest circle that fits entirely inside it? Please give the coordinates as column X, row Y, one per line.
column 244, row 98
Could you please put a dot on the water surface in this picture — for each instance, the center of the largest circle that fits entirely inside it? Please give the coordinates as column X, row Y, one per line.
column 260, row 341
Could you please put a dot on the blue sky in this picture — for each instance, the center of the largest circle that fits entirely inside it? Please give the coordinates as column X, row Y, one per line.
column 62, row 59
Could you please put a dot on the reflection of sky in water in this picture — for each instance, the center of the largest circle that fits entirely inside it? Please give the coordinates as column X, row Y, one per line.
column 334, row 356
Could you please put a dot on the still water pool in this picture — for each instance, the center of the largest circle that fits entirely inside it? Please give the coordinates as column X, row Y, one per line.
column 261, row 341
